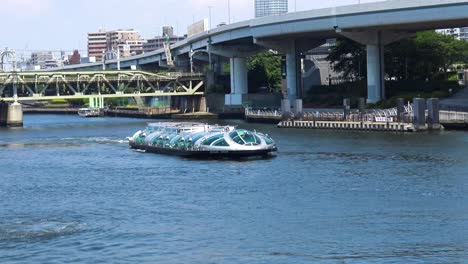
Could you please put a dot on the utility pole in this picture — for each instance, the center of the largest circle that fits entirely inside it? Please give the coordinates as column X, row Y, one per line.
column 118, row 59
column 209, row 15
column 229, row 11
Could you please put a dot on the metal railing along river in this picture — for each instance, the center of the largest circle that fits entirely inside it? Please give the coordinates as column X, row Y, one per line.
column 383, row 116
column 452, row 116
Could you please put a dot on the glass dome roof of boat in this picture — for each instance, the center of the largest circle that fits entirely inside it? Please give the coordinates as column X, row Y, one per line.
column 244, row 137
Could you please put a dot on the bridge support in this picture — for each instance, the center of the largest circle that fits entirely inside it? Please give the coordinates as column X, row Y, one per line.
column 294, row 78
column 375, row 41
column 96, row 102
column 239, row 82
column 3, row 113
column 15, row 115
column 11, row 115
column 293, row 49
column 375, row 73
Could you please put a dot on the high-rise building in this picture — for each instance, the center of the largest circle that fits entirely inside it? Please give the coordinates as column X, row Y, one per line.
column 158, row 42
column 270, row 7
column 128, row 42
column 97, row 44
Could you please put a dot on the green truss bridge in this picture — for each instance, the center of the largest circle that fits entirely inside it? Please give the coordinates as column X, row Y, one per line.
column 34, row 86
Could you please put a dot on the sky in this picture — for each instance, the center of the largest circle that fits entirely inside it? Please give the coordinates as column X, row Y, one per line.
column 35, row 25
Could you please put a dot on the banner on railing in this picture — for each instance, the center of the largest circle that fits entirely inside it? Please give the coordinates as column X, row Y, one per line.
column 384, row 119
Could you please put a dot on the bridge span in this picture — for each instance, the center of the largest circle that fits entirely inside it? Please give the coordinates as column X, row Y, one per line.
column 373, row 25
column 34, row 86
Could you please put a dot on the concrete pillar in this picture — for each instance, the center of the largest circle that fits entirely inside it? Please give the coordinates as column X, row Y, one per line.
column 293, row 75
column 362, row 105
column 346, row 107
column 3, row 113
column 286, row 108
column 183, row 104
column 433, row 113
column 210, row 80
column 203, row 107
column 239, row 81
column 419, row 113
column 375, row 73
column 15, row 115
column 298, row 109
column 400, row 109
column 375, row 41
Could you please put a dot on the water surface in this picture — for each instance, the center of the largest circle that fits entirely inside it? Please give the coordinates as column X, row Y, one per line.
column 72, row 192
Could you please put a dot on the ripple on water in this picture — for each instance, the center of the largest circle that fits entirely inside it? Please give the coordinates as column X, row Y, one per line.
column 37, row 229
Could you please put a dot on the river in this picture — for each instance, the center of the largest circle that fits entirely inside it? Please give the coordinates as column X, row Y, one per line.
column 71, row 191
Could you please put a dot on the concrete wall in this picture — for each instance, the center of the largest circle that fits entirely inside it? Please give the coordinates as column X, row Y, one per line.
column 215, row 102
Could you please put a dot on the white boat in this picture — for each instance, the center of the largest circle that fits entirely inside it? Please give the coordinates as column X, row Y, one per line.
column 90, row 112
column 201, row 140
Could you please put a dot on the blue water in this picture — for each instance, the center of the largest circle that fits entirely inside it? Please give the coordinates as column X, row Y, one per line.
column 72, row 192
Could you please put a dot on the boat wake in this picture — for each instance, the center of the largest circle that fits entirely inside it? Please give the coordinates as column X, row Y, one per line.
column 38, row 229
column 99, row 140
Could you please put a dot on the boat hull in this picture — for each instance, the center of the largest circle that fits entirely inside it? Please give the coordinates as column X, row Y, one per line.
column 204, row 153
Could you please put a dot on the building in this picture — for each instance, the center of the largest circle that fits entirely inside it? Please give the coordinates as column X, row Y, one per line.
column 75, row 58
column 168, row 31
column 270, row 7
column 128, row 42
column 40, row 58
column 53, row 63
column 158, row 42
column 457, row 33
column 97, row 44
column 84, row 60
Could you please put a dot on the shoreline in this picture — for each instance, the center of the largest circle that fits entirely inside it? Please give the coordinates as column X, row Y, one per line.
column 133, row 113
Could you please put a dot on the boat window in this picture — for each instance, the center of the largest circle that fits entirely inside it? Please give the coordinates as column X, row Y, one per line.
column 250, row 138
column 212, row 139
column 175, row 140
column 268, row 141
column 244, row 137
column 195, row 138
column 236, row 137
column 155, row 139
column 221, row 143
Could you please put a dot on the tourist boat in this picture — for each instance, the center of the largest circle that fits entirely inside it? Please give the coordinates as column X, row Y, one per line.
column 90, row 112
column 201, row 140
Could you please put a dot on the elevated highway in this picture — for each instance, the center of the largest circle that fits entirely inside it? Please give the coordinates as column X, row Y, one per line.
column 374, row 25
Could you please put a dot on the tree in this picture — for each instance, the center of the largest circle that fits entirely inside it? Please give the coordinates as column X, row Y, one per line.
column 349, row 58
column 426, row 56
column 264, row 71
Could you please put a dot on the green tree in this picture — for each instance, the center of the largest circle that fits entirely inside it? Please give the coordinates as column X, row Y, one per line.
column 349, row 58
column 264, row 71
column 426, row 56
